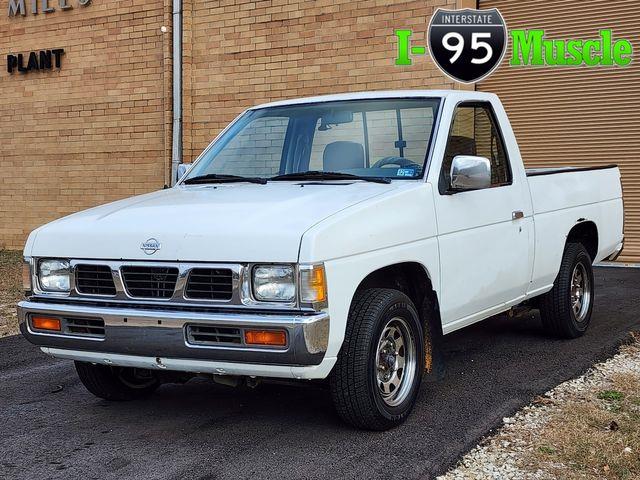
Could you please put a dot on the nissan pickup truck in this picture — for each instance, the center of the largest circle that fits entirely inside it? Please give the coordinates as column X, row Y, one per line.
column 333, row 238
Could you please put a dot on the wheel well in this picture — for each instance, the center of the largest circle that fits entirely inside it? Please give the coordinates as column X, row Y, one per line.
column 585, row 233
column 412, row 279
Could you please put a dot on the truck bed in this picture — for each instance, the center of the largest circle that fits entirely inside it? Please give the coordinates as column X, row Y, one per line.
column 576, row 187
column 562, row 201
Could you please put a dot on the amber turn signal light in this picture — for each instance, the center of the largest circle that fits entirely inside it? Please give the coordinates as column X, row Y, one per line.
column 46, row 323
column 313, row 285
column 266, row 337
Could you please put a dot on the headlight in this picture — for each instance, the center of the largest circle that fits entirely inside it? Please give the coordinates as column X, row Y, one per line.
column 274, row 283
column 54, row 275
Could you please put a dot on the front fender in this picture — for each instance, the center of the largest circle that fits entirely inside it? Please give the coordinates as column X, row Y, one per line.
column 345, row 275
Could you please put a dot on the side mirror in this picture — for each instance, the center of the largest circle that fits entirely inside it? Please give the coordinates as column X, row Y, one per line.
column 470, row 173
column 182, row 169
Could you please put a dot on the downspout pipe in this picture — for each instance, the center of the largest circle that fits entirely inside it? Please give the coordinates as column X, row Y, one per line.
column 176, row 153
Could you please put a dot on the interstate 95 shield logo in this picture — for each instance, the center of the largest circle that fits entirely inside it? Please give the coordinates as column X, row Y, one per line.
column 467, row 45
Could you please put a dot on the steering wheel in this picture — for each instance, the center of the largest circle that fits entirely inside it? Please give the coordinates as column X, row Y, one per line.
column 399, row 161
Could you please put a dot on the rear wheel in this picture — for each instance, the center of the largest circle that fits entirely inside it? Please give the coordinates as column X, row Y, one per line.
column 376, row 380
column 566, row 309
column 117, row 383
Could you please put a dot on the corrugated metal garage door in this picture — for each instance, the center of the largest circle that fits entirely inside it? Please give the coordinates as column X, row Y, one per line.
column 577, row 115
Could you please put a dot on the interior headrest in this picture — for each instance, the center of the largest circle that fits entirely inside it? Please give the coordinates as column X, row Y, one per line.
column 343, row 156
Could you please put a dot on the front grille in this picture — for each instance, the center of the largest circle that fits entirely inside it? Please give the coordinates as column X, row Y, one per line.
column 94, row 280
column 88, row 327
column 208, row 335
column 210, row 284
column 150, row 282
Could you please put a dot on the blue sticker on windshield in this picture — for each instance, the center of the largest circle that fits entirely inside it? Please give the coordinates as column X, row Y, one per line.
column 406, row 172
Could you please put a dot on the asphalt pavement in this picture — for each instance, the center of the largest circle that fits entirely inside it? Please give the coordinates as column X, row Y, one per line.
column 51, row 427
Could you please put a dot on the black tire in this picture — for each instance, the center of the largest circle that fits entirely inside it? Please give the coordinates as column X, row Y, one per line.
column 355, row 382
column 116, row 383
column 556, row 306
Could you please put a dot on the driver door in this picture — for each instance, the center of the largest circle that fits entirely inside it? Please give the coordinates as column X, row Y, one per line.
column 484, row 243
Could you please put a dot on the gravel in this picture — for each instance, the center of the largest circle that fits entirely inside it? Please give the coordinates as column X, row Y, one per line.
column 508, row 453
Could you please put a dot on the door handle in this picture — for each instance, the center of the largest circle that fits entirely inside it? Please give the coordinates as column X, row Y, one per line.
column 517, row 215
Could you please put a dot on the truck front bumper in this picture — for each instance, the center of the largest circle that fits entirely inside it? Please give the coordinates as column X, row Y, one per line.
column 160, row 339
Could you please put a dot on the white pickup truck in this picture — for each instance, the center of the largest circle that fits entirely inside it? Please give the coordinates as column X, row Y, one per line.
column 335, row 237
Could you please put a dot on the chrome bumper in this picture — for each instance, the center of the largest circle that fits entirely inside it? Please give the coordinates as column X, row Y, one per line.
column 162, row 333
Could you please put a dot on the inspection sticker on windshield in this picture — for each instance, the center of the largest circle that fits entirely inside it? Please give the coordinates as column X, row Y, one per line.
column 406, row 172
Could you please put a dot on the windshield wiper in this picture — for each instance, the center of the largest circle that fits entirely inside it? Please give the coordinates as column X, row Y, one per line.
column 218, row 178
column 318, row 175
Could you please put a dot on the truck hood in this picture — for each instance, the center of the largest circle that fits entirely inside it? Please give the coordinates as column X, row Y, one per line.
column 216, row 223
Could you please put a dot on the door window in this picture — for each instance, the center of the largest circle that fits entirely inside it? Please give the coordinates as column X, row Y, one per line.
column 475, row 132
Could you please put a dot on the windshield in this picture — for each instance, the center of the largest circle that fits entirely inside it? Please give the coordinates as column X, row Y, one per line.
column 369, row 138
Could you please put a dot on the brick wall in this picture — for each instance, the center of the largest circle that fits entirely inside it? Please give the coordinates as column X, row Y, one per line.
column 244, row 52
column 96, row 130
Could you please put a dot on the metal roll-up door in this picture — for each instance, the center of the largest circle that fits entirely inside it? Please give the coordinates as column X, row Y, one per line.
column 577, row 115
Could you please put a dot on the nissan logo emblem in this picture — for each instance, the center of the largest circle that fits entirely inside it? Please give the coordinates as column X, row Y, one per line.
column 151, row 246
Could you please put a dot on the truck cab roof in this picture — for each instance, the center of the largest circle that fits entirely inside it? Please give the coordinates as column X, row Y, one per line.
column 382, row 94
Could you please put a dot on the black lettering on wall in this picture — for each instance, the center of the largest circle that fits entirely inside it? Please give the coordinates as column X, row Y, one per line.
column 12, row 63
column 45, row 60
column 57, row 53
column 33, row 62
column 39, row 60
column 21, row 68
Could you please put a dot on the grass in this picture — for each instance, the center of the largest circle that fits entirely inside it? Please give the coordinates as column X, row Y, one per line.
column 610, row 395
column 595, row 435
column 10, row 290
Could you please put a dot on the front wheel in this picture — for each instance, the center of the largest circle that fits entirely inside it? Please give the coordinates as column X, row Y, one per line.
column 375, row 382
column 117, row 383
column 566, row 309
